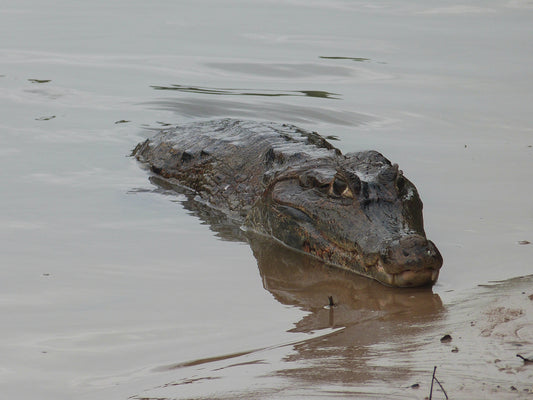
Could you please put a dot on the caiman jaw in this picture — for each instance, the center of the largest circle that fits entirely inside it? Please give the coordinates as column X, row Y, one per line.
column 406, row 278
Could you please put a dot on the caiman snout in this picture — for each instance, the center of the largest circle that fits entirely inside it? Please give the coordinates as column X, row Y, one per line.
column 411, row 261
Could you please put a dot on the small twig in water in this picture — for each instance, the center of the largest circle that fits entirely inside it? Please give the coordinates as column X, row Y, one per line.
column 434, row 379
column 525, row 359
column 331, row 302
column 443, row 391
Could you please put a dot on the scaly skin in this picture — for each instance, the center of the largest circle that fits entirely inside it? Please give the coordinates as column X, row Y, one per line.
column 356, row 211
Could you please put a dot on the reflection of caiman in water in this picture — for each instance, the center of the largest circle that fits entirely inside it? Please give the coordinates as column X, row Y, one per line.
column 356, row 211
column 299, row 280
column 366, row 314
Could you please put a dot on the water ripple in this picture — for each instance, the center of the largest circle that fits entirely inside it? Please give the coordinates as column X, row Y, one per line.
column 248, row 92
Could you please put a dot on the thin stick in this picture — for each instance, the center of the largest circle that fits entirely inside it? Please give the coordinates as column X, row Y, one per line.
column 444, row 391
column 526, row 360
column 432, row 379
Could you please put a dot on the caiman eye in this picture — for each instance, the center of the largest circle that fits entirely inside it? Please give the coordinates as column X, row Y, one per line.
column 339, row 188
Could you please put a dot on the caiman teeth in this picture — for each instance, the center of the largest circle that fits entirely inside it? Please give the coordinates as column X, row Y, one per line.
column 435, row 275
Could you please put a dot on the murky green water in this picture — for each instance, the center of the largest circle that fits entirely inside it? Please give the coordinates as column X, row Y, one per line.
column 111, row 289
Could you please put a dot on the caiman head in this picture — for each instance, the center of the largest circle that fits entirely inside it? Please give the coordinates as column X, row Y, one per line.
column 356, row 211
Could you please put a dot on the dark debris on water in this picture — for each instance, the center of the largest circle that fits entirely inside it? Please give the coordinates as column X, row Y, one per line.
column 446, row 339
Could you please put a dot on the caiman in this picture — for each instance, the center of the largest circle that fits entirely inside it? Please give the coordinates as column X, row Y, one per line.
column 356, row 211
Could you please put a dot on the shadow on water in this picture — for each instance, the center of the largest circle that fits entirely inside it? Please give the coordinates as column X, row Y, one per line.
column 366, row 314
